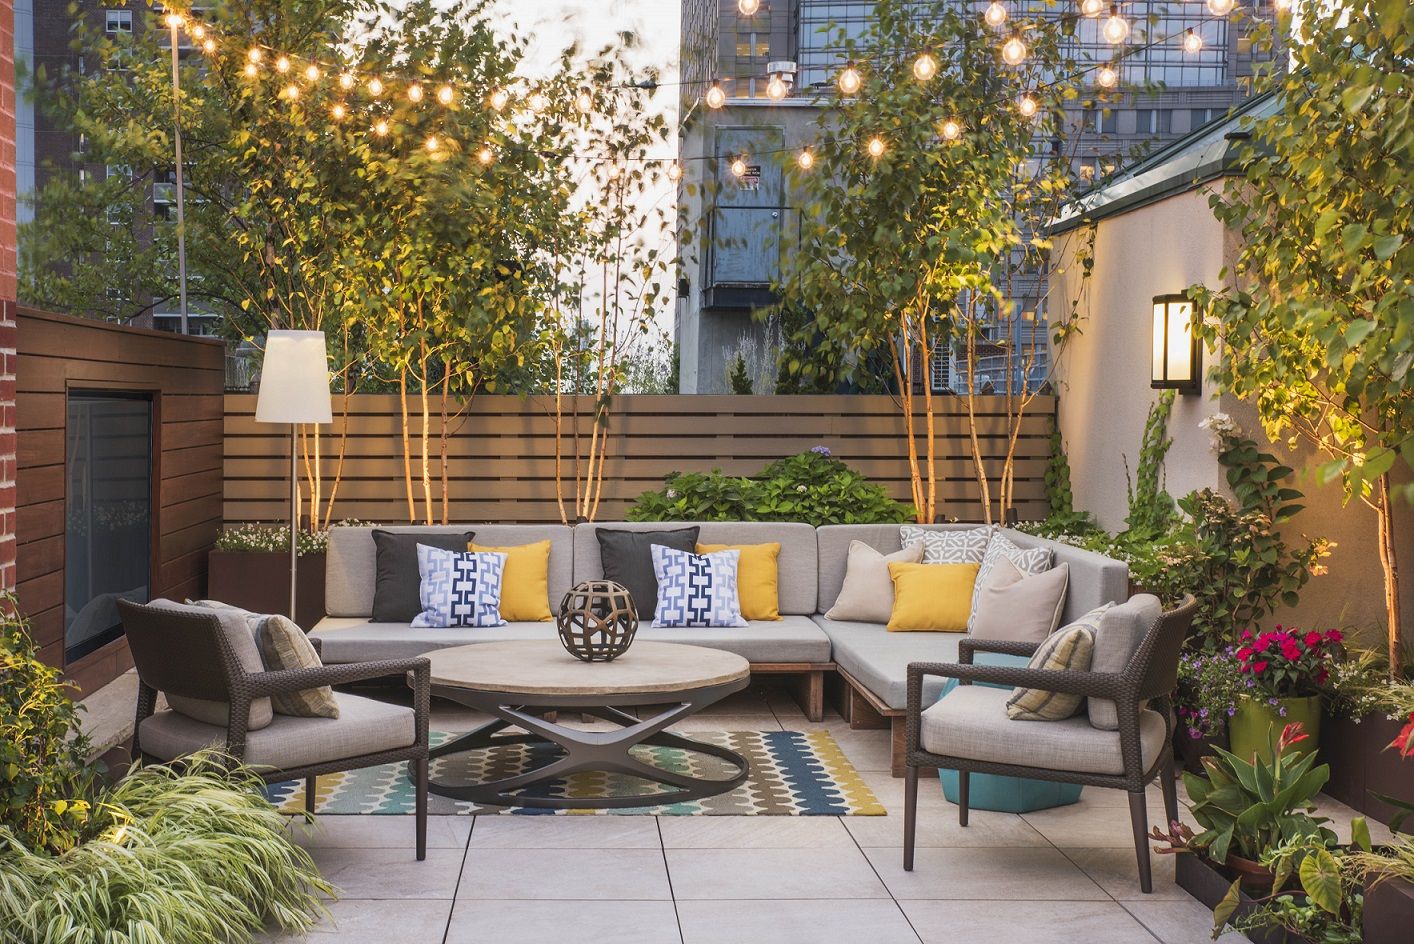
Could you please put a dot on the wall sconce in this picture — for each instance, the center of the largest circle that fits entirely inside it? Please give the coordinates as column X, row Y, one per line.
column 1176, row 352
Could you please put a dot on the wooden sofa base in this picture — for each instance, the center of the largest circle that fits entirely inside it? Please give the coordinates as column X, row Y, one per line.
column 807, row 686
column 864, row 711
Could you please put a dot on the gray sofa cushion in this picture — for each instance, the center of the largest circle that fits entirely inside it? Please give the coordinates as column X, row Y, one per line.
column 796, row 566
column 971, row 722
column 396, row 576
column 351, row 564
column 789, row 639
column 1121, row 630
column 878, row 659
column 627, row 559
column 364, row 726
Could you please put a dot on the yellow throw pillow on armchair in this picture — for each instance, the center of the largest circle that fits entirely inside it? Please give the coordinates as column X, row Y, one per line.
column 525, row 584
column 757, row 582
column 931, row 598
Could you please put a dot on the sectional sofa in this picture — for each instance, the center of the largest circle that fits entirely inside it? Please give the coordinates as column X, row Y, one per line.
column 861, row 665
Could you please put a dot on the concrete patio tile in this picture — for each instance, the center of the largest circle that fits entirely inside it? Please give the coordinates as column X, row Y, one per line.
column 794, row 922
column 564, row 874
column 717, row 874
column 1179, row 922
column 754, row 832
column 889, row 790
column 584, row 922
column 1117, row 872
column 389, row 832
column 389, row 873
column 866, row 750
column 564, row 832
column 1003, row 874
column 939, row 827
column 1086, row 826
column 365, row 921
column 1050, row 922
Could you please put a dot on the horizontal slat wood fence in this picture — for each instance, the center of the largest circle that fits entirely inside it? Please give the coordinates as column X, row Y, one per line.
column 501, row 453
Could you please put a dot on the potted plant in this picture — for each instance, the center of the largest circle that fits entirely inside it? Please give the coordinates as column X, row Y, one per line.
column 250, row 568
column 1364, row 712
column 1284, row 672
column 1208, row 687
column 1388, row 873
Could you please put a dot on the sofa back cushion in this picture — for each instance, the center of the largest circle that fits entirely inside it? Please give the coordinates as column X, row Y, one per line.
column 833, row 542
column 350, row 568
column 795, row 565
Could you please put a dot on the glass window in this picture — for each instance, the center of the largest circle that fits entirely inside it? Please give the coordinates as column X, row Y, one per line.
column 1154, row 121
column 117, row 21
column 108, row 522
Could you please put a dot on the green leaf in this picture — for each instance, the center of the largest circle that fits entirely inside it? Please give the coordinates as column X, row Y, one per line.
column 1320, row 878
column 1360, row 834
column 1222, row 914
column 1387, row 246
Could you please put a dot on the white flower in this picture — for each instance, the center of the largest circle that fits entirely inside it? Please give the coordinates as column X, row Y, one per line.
column 1222, row 426
column 800, row 488
column 672, row 493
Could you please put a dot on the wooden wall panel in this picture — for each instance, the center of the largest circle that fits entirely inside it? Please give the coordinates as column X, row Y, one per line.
column 186, row 377
column 503, row 447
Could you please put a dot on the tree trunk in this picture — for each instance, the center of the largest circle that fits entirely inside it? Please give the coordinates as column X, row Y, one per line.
column 443, row 442
column 425, row 438
column 1394, row 631
column 903, row 374
column 407, row 442
column 979, row 466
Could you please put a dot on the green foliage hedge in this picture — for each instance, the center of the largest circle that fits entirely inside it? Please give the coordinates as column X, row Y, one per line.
column 813, row 487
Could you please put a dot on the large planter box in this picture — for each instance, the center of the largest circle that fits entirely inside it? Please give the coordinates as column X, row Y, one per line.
column 1361, row 766
column 1207, row 883
column 260, row 582
column 1389, row 912
column 1189, row 752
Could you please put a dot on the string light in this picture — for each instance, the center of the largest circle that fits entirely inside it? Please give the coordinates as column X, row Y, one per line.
column 445, row 95
column 312, row 73
column 876, row 147
column 805, row 159
column 414, row 92
column 292, row 92
column 282, row 64
column 1115, row 30
column 1192, row 42
column 776, row 89
column 174, row 20
column 748, row 7
column 1027, row 105
column 346, row 81
column 716, row 97
column 251, row 70
column 432, row 143
column 995, row 14
column 499, row 99
column 485, row 155
column 674, row 171
column 1281, row 6
column 1014, row 51
column 1221, row 7
column 380, row 127
column 925, row 67
column 254, row 54
column 951, row 129
column 584, row 101
column 738, row 167
column 1106, row 77
column 1092, row 8
column 338, row 111
column 375, row 86
column 538, row 102
column 850, row 80
column 198, row 32
column 208, row 45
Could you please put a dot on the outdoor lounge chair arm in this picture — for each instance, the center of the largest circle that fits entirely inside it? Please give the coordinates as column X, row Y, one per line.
column 1071, row 682
column 1010, row 647
column 281, row 681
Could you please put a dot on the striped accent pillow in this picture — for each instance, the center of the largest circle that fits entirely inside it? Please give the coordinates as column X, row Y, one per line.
column 1070, row 648
column 283, row 645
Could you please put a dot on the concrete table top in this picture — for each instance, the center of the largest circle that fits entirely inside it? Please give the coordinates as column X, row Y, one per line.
column 543, row 667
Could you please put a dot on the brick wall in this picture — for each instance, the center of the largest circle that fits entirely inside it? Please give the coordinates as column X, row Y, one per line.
column 7, row 294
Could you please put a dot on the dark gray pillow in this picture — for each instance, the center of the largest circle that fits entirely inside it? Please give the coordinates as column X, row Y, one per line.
column 396, row 580
column 628, row 560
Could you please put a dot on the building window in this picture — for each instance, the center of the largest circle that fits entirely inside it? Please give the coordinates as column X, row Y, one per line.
column 1101, row 120
column 118, row 21
column 1154, row 121
column 1197, row 117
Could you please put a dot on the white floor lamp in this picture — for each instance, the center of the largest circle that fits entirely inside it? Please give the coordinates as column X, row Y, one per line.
column 294, row 389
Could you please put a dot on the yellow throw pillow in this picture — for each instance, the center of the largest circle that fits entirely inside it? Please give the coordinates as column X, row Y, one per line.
column 757, row 585
column 931, row 598
column 525, row 585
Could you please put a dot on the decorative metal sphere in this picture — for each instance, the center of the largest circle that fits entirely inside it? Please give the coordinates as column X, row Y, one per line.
column 597, row 621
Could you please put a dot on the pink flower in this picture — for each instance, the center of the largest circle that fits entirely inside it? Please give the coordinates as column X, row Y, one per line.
column 1244, row 653
column 1291, row 735
column 1404, row 741
column 1290, row 650
column 1334, row 635
column 1260, row 665
column 1313, row 639
column 1246, row 635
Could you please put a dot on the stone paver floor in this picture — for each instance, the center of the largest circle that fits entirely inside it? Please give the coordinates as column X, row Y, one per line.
column 1064, row 875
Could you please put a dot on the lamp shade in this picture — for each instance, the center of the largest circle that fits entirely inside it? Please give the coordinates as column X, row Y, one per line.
column 1176, row 351
column 294, row 381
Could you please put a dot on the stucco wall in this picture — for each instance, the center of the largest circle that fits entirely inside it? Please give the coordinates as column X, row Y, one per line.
column 1103, row 383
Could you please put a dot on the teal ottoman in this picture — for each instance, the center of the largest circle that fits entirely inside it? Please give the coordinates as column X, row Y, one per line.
column 1005, row 794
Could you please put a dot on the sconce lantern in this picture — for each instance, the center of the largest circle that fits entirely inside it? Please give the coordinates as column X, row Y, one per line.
column 1176, row 352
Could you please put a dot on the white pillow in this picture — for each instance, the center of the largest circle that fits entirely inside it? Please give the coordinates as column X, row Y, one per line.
column 867, row 595
column 1031, row 560
column 696, row 589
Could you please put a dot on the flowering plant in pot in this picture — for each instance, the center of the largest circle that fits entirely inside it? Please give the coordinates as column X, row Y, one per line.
column 1208, row 688
column 1284, row 671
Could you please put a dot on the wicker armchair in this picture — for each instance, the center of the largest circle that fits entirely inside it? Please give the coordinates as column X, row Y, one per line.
column 187, row 654
column 1125, row 760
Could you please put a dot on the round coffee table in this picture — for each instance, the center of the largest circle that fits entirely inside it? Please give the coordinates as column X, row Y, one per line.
column 520, row 683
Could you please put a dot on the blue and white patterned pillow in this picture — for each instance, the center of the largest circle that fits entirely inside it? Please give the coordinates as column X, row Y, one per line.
column 696, row 589
column 459, row 588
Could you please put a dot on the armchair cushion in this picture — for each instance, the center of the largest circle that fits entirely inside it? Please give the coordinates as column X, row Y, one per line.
column 971, row 723
column 364, row 726
column 236, row 629
column 1117, row 637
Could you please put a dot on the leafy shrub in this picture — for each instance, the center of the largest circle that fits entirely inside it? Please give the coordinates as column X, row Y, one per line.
column 813, row 487
column 196, row 855
column 1208, row 686
column 44, row 783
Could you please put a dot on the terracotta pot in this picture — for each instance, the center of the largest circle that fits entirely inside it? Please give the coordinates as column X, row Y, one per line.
column 1256, row 723
column 1389, row 912
column 1254, row 876
column 260, row 582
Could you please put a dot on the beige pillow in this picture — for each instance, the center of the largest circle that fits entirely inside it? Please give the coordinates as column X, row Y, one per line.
column 1015, row 606
column 868, row 592
column 283, row 645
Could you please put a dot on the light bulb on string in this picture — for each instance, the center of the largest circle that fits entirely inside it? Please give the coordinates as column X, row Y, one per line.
column 538, row 102
column 584, row 101
column 1221, row 7
column 995, row 14
column 292, row 92
column 338, row 111
column 776, row 88
column 876, row 147
column 806, row 158
column 485, row 154
column 380, row 127
column 1014, row 51
column 198, row 32
column 208, row 45
column 251, row 70
column 748, row 7
column 738, row 167
column 1281, row 6
column 1092, row 8
column 1192, row 42
column 346, row 81
column 446, row 95
column 1106, row 77
column 951, row 129
column 674, row 171
column 311, row 73
column 1027, row 105
column 254, row 55
column 282, row 64
column 499, row 99
column 173, row 20
column 925, row 67
column 716, row 97
column 850, row 80
column 432, row 143
column 1115, row 29
column 414, row 92
column 375, row 86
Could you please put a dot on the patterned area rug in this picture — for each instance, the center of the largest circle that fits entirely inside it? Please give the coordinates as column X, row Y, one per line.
column 793, row 773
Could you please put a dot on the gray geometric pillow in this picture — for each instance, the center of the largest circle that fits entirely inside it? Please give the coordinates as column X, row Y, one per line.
column 956, row 546
column 1031, row 560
